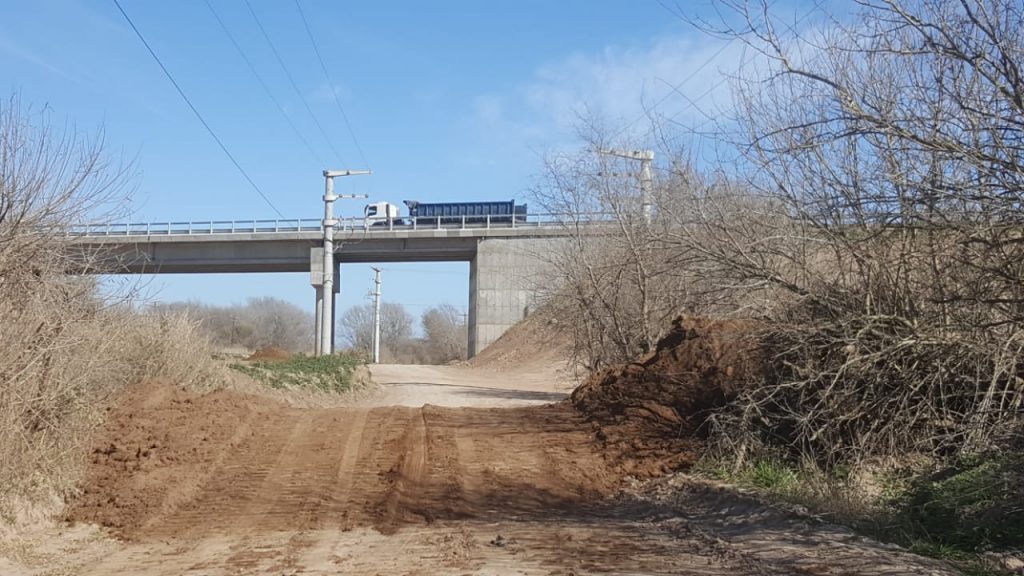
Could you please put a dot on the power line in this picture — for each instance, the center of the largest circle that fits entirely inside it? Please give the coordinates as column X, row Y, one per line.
column 330, row 83
column 675, row 88
column 692, row 103
column 196, row 111
column 263, row 83
column 292, row 81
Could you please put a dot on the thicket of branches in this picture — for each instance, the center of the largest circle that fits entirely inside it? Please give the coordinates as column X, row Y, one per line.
column 871, row 220
column 259, row 323
column 64, row 349
column 620, row 284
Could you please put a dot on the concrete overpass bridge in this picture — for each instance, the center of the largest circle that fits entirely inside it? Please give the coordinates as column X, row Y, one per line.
column 505, row 257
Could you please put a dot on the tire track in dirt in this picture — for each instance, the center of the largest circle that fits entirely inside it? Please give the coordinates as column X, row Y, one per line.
column 243, row 489
column 239, row 502
column 346, row 470
column 405, row 477
column 303, row 494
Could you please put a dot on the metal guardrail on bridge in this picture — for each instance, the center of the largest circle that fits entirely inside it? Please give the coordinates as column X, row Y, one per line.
column 207, row 227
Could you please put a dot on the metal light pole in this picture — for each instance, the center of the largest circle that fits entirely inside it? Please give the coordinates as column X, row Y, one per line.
column 327, row 308
column 646, row 157
column 376, row 316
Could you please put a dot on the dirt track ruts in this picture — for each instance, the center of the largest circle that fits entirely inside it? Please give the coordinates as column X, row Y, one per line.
column 418, row 490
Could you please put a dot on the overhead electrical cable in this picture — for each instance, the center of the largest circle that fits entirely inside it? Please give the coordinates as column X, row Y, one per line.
column 291, row 80
column 675, row 88
column 330, row 83
column 692, row 103
column 196, row 111
column 263, row 83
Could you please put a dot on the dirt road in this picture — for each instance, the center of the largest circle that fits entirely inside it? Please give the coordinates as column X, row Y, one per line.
column 411, row 385
column 222, row 484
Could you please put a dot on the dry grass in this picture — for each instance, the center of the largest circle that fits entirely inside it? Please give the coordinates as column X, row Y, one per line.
column 49, row 404
column 64, row 349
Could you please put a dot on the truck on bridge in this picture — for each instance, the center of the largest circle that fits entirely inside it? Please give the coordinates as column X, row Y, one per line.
column 442, row 213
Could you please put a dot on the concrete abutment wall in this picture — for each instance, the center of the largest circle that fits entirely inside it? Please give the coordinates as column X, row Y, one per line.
column 506, row 278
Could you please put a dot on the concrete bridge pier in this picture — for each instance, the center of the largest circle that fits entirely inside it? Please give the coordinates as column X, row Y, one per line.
column 316, row 278
column 317, row 317
column 334, row 304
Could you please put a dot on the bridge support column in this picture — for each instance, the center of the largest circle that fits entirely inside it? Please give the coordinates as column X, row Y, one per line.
column 316, row 278
column 334, row 301
column 503, row 279
column 318, row 315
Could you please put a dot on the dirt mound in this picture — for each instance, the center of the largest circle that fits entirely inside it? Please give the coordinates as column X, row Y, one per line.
column 158, row 445
column 271, row 353
column 649, row 413
column 535, row 341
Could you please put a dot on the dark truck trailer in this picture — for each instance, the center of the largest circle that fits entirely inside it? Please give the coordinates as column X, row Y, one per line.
column 470, row 212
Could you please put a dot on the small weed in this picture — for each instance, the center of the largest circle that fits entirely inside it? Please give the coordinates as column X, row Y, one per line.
column 328, row 373
column 773, row 475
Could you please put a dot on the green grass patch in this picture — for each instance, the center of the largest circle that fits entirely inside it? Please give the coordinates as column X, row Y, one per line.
column 973, row 505
column 957, row 513
column 333, row 373
column 773, row 475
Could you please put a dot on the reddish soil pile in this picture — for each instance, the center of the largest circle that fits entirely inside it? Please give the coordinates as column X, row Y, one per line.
column 649, row 413
column 158, row 446
column 270, row 353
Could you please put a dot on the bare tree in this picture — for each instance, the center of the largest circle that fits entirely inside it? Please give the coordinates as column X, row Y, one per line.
column 619, row 281
column 868, row 218
column 355, row 328
column 445, row 333
column 885, row 151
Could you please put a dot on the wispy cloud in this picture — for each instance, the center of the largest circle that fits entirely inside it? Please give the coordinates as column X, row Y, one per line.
column 674, row 77
column 323, row 94
column 7, row 45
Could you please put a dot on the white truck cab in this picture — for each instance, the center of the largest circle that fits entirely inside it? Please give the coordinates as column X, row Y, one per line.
column 380, row 214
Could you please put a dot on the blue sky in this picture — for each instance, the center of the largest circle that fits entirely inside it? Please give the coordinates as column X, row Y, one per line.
column 449, row 100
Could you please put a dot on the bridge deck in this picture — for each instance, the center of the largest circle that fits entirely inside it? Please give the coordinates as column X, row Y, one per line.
column 276, row 246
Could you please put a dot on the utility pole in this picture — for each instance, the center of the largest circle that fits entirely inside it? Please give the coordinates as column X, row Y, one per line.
column 646, row 157
column 326, row 336
column 376, row 316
